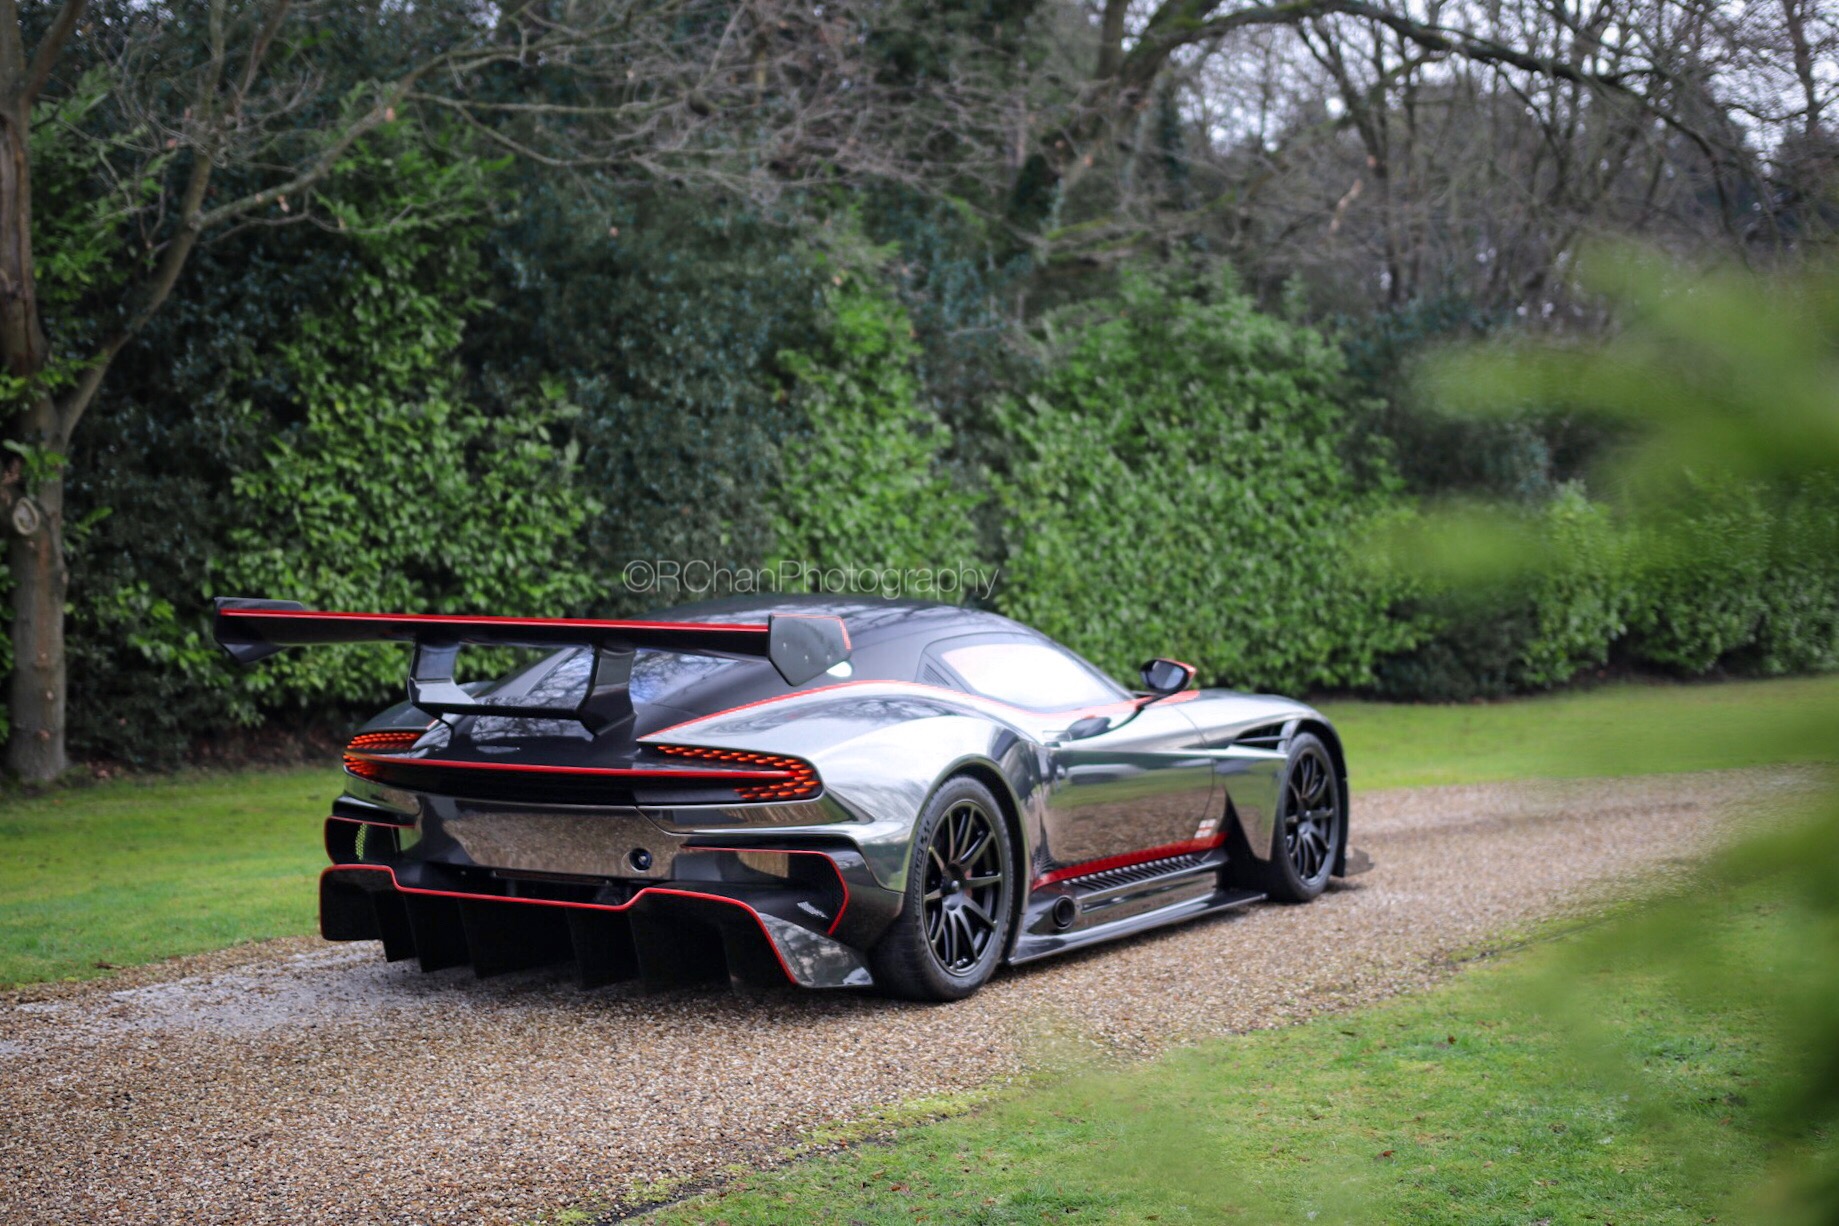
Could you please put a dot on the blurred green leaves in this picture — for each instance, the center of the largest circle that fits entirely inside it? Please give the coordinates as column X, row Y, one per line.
column 1728, row 372
column 1730, row 381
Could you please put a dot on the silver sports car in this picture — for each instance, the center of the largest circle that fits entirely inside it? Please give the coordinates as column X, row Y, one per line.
column 842, row 792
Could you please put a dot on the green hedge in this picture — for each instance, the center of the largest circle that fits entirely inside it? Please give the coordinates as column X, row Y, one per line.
column 1534, row 630
column 865, row 483
column 1179, row 484
column 1700, row 585
column 1744, row 577
column 1172, row 471
column 1799, row 630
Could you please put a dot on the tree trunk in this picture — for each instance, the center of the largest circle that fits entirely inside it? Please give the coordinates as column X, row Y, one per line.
column 35, row 746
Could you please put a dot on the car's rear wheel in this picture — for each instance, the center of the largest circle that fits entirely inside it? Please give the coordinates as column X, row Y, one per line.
column 1310, row 816
column 954, row 923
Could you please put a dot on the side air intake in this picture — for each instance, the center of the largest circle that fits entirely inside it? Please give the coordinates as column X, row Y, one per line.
column 1266, row 736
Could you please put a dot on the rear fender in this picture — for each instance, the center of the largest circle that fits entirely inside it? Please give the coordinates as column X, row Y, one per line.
column 881, row 755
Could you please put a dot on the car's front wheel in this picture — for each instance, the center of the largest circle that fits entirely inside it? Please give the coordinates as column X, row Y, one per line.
column 1310, row 815
column 954, row 923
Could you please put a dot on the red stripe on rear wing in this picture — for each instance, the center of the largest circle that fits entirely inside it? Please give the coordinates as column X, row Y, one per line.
column 800, row 646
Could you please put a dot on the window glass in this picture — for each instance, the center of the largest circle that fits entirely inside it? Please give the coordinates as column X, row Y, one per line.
column 1031, row 675
column 659, row 676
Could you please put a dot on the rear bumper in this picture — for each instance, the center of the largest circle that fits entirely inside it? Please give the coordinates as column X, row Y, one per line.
column 755, row 915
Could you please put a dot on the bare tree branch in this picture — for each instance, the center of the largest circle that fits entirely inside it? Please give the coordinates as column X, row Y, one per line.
column 45, row 55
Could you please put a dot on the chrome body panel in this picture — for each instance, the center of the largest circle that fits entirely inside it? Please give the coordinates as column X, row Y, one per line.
column 1187, row 907
column 565, row 839
column 1166, row 774
column 880, row 748
column 1147, row 782
column 1250, row 777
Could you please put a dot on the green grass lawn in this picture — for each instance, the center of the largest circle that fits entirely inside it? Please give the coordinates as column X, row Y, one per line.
column 1464, row 1105
column 138, row 869
column 142, row 868
column 1632, row 728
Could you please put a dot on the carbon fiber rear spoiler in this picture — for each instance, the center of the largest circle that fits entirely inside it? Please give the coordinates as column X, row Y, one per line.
column 799, row 646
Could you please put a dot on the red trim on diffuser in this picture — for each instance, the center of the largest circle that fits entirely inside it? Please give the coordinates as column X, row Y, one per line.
column 574, row 906
column 786, row 851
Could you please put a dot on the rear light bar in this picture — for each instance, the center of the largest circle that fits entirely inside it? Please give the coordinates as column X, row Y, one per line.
column 710, row 777
column 800, row 782
column 393, row 740
column 389, row 740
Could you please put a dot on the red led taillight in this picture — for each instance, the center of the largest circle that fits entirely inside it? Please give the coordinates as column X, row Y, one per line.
column 391, row 740
column 800, row 783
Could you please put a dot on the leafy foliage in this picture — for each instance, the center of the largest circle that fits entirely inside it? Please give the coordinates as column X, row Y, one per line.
column 1740, row 576
column 1730, row 380
column 1799, row 631
column 280, row 427
column 1526, row 629
column 1180, row 487
column 392, row 492
column 864, row 482
column 951, row 281
column 415, row 403
column 80, row 215
column 1701, row 578
column 660, row 318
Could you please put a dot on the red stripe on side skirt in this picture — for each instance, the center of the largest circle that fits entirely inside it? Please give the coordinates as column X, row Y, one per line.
column 1126, row 859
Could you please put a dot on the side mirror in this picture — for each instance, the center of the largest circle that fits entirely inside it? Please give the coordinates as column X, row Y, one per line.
column 1164, row 677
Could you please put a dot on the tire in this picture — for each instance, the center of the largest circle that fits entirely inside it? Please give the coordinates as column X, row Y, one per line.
column 1311, row 815
column 953, row 926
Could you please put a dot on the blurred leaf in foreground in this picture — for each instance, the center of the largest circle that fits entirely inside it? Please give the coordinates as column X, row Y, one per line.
column 1724, row 379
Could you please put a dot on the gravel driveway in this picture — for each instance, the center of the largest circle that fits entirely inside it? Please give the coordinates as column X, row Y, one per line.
column 297, row 1081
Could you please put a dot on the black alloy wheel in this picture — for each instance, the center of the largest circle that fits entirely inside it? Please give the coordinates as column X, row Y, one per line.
column 1310, row 815
column 965, row 888
column 953, row 928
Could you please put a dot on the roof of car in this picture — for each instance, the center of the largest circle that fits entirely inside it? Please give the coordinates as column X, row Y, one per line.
column 887, row 637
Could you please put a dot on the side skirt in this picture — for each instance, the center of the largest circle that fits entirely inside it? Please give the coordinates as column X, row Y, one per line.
column 1031, row 946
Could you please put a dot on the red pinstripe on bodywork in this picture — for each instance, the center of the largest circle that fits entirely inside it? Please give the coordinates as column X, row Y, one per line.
column 1113, row 708
column 648, row 774
column 1128, row 858
column 841, row 881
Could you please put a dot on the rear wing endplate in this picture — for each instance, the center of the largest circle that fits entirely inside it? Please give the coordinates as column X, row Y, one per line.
column 800, row 646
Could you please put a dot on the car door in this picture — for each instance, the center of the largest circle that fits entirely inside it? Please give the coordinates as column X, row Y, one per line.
column 1140, row 787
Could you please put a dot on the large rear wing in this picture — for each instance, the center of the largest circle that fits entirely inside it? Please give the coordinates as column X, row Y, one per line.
column 799, row 646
